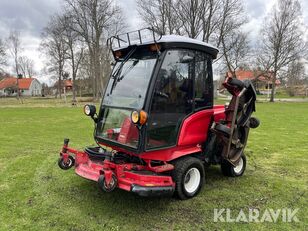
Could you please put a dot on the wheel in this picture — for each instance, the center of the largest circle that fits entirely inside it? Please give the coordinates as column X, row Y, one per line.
column 66, row 165
column 254, row 122
column 229, row 170
column 107, row 188
column 188, row 175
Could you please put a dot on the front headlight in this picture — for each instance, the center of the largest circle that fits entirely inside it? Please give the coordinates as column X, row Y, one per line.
column 89, row 110
column 135, row 117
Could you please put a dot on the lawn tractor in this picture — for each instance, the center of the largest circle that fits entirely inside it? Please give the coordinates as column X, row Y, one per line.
column 157, row 127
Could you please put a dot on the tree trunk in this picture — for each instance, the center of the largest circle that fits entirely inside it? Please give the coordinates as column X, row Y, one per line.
column 273, row 87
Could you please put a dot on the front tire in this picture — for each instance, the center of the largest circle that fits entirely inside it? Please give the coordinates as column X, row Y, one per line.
column 188, row 175
column 66, row 165
column 234, row 171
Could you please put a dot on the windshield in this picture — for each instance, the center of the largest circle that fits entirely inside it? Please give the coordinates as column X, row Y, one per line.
column 129, row 81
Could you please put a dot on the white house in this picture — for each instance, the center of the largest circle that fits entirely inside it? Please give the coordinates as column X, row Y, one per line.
column 27, row 86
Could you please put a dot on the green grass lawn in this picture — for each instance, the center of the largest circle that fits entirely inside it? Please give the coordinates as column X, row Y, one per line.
column 35, row 194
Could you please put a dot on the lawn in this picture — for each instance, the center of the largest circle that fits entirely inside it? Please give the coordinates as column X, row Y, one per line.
column 36, row 195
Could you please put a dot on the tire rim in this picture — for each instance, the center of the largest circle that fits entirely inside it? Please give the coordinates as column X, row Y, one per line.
column 239, row 167
column 192, row 180
column 68, row 163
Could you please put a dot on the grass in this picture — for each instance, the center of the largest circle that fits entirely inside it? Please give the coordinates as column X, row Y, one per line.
column 36, row 195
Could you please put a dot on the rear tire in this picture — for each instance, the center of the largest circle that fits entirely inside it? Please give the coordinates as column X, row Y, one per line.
column 188, row 175
column 229, row 170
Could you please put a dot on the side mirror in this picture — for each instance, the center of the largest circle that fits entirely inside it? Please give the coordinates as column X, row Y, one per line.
column 89, row 110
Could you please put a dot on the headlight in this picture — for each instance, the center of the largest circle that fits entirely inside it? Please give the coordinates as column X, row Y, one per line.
column 89, row 110
column 139, row 117
column 135, row 117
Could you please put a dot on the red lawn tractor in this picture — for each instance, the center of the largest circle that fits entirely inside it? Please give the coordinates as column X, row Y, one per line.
column 157, row 127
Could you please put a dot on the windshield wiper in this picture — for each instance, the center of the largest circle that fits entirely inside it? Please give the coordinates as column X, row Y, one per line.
column 115, row 75
column 128, row 69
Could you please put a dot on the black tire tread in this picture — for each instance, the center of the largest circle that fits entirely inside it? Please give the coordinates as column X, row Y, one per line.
column 181, row 165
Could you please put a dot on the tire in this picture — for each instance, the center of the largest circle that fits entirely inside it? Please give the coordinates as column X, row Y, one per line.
column 68, row 165
column 188, row 176
column 228, row 169
column 223, row 129
column 107, row 188
column 254, row 122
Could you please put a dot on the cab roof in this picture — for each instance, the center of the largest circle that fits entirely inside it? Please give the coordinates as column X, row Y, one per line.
column 175, row 41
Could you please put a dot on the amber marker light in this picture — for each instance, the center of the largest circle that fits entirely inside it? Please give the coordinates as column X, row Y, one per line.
column 154, row 47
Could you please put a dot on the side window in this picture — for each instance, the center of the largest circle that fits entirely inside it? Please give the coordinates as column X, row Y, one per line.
column 172, row 99
column 203, row 81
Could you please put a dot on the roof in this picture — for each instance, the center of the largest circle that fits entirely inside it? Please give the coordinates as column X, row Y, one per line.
column 252, row 75
column 24, row 83
column 183, row 39
column 173, row 41
column 8, row 82
column 68, row 83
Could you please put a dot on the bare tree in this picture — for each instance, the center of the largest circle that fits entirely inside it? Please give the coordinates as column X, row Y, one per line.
column 91, row 19
column 191, row 15
column 282, row 40
column 2, row 55
column 54, row 45
column 295, row 76
column 159, row 14
column 211, row 19
column 235, row 51
column 14, row 47
column 75, row 49
column 26, row 66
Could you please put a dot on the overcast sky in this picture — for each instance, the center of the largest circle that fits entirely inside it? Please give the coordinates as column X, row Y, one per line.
column 30, row 17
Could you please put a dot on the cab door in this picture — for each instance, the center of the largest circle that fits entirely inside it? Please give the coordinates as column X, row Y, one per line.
column 179, row 92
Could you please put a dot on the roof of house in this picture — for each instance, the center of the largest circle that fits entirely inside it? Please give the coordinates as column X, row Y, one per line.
column 64, row 83
column 68, row 83
column 252, row 75
column 24, row 83
column 8, row 82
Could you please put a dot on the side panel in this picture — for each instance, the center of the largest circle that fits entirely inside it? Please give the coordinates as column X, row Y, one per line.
column 219, row 113
column 194, row 128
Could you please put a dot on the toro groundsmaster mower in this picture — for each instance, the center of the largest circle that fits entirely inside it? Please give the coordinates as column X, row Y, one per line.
column 157, row 127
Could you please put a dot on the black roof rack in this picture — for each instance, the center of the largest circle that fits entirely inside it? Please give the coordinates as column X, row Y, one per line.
column 136, row 37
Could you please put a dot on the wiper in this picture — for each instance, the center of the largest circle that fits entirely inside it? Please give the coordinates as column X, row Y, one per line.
column 128, row 69
column 115, row 75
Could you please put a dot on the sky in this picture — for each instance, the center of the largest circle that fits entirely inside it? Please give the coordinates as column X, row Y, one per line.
column 29, row 17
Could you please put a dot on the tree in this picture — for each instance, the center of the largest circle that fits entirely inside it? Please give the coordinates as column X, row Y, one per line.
column 55, row 47
column 216, row 21
column 235, row 50
column 26, row 66
column 282, row 39
column 2, row 55
column 295, row 76
column 14, row 47
column 75, row 49
column 191, row 15
column 159, row 14
column 91, row 20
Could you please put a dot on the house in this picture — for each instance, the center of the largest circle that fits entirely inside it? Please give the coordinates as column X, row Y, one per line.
column 262, row 81
column 9, row 86
column 66, row 84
